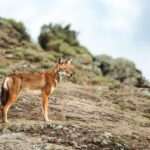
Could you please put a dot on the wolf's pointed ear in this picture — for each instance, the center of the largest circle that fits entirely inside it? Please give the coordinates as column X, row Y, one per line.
column 69, row 61
column 60, row 61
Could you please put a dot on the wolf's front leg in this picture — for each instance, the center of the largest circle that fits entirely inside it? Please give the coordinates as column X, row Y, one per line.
column 45, row 105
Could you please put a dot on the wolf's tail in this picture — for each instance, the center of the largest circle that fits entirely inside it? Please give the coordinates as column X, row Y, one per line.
column 4, row 92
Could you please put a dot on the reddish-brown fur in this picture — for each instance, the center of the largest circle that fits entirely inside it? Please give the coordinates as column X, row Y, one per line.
column 45, row 81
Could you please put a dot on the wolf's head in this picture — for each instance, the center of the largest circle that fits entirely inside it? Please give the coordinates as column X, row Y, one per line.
column 65, row 67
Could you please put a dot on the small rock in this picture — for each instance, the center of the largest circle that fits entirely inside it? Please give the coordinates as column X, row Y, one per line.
column 59, row 127
column 107, row 135
column 105, row 142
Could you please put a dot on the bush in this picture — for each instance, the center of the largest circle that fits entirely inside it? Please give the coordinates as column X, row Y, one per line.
column 55, row 32
column 105, row 63
column 62, row 40
column 18, row 26
column 119, row 69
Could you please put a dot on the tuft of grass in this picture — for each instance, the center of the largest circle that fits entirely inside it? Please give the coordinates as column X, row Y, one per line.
column 33, row 56
column 3, row 70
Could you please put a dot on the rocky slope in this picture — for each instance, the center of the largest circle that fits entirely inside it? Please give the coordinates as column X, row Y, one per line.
column 98, row 112
column 82, row 117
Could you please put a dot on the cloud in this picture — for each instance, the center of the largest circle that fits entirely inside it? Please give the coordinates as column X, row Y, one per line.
column 114, row 27
column 117, row 17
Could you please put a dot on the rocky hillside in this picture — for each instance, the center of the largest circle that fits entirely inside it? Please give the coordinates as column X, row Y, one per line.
column 82, row 117
column 104, row 106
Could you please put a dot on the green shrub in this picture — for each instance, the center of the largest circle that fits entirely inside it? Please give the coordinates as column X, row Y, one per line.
column 18, row 26
column 119, row 69
column 62, row 40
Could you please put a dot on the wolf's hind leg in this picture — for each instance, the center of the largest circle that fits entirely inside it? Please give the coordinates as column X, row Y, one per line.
column 6, row 108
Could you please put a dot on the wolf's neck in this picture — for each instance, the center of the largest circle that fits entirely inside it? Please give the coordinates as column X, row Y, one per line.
column 55, row 74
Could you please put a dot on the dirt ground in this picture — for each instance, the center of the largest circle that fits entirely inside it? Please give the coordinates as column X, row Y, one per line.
column 82, row 117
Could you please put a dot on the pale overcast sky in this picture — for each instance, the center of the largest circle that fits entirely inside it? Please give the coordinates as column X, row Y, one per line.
column 120, row 28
